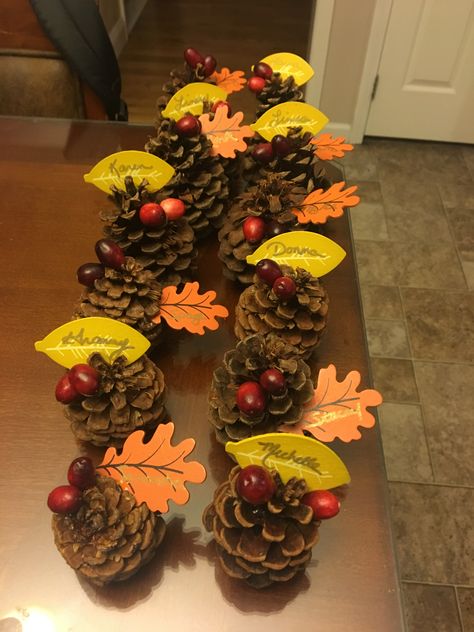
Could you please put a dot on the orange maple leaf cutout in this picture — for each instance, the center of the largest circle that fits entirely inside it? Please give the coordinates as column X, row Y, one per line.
column 320, row 204
column 156, row 471
column 328, row 147
column 337, row 408
column 188, row 309
column 225, row 132
column 229, row 81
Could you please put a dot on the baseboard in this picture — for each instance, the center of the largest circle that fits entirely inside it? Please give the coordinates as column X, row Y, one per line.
column 343, row 129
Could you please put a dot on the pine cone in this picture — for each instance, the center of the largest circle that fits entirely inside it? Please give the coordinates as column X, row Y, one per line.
column 199, row 179
column 276, row 91
column 250, row 358
column 178, row 79
column 301, row 165
column 110, row 537
column 273, row 199
column 130, row 397
column 168, row 251
column 262, row 543
column 130, row 295
column 299, row 321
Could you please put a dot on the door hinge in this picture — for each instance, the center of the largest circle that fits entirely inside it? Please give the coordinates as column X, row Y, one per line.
column 374, row 88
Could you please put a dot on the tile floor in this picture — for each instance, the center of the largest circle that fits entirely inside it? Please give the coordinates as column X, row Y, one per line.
column 414, row 237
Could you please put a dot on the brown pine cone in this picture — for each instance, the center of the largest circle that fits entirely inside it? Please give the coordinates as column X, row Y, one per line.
column 301, row 165
column 250, row 358
column 130, row 397
column 299, row 321
column 167, row 251
column 272, row 199
column 178, row 79
column 130, row 295
column 265, row 543
column 110, row 537
column 199, row 179
column 276, row 91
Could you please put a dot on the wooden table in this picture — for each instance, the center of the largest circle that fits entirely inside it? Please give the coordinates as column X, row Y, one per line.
column 49, row 224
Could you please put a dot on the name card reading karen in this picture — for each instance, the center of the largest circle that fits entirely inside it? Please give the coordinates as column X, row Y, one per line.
column 292, row 455
column 140, row 165
column 280, row 118
column 73, row 342
column 300, row 249
column 290, row 65
column 190, row 99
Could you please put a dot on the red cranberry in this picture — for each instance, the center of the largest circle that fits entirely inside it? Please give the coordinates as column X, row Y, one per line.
column 255, row 484
column 188, row 126
column 263, row 70
column 284, row 287
column 65, row 391
column 268, row 271
column 323, row 503
column 152, row 214
column 273, row 381
column 209, row 65
column 81, row 473
column 254, row 229
column 65, row 499
column 263, row 152
column 282, row 145
column 173, row 208
column 274, row 228
column 88, row 273
column 221, row 104
column 256, row 84
column 250, row 398
column 192, row 57
column 85, row 379
column 109, row 253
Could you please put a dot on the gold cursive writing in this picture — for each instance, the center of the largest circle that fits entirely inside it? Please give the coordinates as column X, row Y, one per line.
column 278, row 249
column 273, row 450
column 80, row 340
column 126, row 169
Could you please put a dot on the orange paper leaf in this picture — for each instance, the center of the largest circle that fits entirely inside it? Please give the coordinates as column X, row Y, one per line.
column 224, row 133
column 337, row 409
column 229, row 81
column 328, row 147
column 320, row 204
column 154, row 472
column 189, row 309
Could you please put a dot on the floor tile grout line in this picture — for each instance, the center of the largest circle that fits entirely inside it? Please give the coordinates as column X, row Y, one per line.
column 458, row 604
column 401, row 286
column 430, row 583
column 433, row 484
column 416, row 359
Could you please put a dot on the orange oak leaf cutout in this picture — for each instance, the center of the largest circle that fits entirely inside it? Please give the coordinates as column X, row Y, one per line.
column 328, row 147
column 156, row 471
column 225, row 133
column 188, row 309
column 337, row 408
column 229, row 81
column 320, row 204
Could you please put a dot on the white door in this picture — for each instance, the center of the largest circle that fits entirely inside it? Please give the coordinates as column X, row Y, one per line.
column 425, row 83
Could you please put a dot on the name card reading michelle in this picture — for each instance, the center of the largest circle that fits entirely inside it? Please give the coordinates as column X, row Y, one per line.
column 300, row 249
column 75, row 341
column 292, row 455
column 190, row 99
column 290, row 65
column 280, row 118
column 140, row 165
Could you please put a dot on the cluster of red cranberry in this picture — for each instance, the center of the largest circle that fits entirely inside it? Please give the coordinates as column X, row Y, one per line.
column 280, row 147
column 193, row 58
column 256, row 485
column 109, row 254
column 256, row 228
column 261, row 73
column 67, row 499
column 157, row 215
column 251, row 396
column 270, row 273
column 81, row 379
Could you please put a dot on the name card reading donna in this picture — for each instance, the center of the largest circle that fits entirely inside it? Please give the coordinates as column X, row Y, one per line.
column 301, row 249
column 76, row 341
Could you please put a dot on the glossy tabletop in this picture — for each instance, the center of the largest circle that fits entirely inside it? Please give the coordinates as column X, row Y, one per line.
column 49, row 224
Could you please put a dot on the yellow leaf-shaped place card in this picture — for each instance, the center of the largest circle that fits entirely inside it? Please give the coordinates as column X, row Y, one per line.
column 279, row 119
column 290, row 65
column 190, row 99
column 112, row 170
column 304, row 458
column 300, row 249
column 75, row 341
